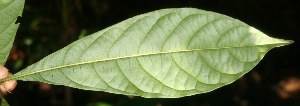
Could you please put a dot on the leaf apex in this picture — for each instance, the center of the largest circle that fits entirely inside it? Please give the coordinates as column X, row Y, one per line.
column 285, row 42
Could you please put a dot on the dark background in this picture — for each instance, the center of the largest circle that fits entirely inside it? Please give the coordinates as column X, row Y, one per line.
column 48, row 25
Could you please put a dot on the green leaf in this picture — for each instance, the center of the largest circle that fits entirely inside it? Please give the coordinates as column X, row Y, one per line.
column 99, row 104
column 3, row 102
column 9, row 11
column 166, row 53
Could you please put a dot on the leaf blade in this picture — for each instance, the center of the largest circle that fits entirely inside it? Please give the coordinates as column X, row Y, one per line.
column 9, row 11
column 165, row 53
column 4, row 102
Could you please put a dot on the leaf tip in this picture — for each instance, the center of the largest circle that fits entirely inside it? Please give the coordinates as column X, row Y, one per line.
column 285, row 42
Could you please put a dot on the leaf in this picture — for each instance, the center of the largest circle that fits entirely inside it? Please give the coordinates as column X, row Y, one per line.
column 166, row 53
column 4, row 102
column 9, row 11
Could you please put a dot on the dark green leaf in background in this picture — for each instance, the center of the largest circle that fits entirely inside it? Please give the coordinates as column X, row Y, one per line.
column 4, row 102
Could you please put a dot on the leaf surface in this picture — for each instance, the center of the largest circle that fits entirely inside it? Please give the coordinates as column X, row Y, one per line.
column 3, row 102
column 166, row 53
column 9, row 11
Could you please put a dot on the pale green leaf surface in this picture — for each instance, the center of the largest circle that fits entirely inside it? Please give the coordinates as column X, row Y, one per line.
column 166, row 53
column 9, row 11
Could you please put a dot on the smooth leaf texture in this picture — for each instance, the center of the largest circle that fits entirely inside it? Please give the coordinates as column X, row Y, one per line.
column 166, row 53
column 9, row 11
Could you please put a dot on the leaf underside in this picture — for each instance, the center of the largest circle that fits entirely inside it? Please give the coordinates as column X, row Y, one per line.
column 9, row 11
column 166, row 53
